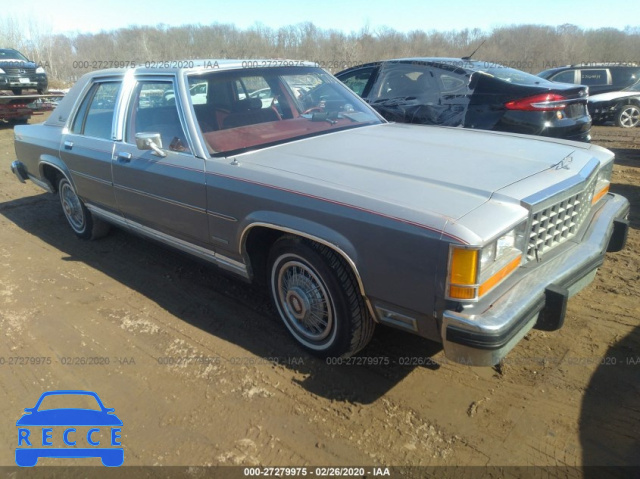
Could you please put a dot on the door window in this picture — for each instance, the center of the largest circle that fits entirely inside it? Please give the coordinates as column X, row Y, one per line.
column 594, row 77
column 153, row 110
column 565, row 77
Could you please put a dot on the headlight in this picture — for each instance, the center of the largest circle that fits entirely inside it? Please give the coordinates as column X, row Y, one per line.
column 474, row 272
column 2, row 71
column 602, row 182
column 40, row 70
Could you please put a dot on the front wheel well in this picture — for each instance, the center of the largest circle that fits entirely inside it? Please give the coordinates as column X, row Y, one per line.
column 628, row 101
column 259, row 241
column 257, row 246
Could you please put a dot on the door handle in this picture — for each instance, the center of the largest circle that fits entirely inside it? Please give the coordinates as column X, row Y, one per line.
column 124, row 157
column 68, row 145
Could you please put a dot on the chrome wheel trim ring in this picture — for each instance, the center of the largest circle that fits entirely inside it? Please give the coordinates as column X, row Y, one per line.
column 303, row 301
column 72, row 208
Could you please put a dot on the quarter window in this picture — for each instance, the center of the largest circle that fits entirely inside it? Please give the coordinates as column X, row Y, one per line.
column 95, row 115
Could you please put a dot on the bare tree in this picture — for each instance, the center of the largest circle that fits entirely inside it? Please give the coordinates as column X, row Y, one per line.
column 527, row 47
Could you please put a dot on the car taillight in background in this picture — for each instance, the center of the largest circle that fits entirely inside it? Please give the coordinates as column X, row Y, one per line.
column 541, row 102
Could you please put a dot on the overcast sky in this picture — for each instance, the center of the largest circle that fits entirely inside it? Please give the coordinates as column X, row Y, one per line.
column 64, row 16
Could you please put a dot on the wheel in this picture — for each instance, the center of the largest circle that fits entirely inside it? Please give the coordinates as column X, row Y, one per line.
column 26, row 458
column 82, row 222
column 112, row 458
column 317, row 297
column 17, row 91
column 628, row 116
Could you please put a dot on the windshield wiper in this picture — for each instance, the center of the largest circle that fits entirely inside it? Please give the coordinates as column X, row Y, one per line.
column 395, row 99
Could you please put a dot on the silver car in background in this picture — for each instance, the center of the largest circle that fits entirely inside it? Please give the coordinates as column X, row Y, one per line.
column 469, row 238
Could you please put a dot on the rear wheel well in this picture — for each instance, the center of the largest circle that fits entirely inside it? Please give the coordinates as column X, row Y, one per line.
column 52, row 175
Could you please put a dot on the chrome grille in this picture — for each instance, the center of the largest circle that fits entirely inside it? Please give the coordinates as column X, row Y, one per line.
column 559, row 222
column 20, row 71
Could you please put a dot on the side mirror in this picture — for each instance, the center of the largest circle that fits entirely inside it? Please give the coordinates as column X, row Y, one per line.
column 150, row 141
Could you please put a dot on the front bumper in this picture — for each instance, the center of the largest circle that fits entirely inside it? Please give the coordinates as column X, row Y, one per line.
column 539, row 298
column 37, row 81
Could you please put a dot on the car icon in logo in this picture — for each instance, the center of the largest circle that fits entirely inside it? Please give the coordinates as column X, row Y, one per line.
column 64, row 428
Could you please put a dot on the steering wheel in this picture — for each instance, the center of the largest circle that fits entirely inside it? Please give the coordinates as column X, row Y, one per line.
column 273, row 107
column 313, row 108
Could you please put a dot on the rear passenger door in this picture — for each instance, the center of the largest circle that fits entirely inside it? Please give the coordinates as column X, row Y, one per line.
column 166, row 194
column 87, row 149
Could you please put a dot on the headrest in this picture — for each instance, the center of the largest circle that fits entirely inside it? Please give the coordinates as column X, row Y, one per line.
column 248, row 104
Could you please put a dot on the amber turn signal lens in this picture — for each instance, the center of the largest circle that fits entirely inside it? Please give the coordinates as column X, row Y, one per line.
column 464, row 266
column 600, row 194
column 500, row 275
column 462, row 292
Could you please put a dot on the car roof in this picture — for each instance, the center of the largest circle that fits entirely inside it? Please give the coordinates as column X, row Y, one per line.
column 173, row 67
column 586, row 66
column 212, row 64
column 469, row 64
column 69, row 392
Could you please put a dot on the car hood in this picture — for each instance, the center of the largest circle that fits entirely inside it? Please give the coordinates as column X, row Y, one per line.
column 614, row 95
column 408, row 170
column 16, row 64
column 69, row 417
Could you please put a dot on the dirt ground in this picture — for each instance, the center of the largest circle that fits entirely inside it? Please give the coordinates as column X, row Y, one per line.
column 201, row 371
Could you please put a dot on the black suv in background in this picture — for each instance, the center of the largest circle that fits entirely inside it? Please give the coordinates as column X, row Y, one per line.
column 18, row 73
column 471, row 94
column 599, row 77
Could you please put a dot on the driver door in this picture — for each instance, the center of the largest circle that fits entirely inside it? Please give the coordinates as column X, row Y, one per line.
column 166, row 192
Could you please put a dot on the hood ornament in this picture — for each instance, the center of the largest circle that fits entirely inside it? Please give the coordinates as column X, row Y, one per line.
column 564, row 164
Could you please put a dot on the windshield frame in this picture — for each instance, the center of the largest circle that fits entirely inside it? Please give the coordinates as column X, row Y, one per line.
column 634, row 87
column 17, row 56
column 218, row 141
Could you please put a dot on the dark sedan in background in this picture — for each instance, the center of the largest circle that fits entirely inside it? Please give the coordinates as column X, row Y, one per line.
column 621, row 107
column 471, row 94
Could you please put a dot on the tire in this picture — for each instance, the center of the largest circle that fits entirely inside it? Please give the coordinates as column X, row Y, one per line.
column 82, row 222
column 317, row 296
column 628, row 116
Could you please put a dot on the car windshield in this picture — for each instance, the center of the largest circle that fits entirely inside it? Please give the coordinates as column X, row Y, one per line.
column 68, row 401
column 634, row 87
column 511, row 75
column 7, row 54
column 256, row 107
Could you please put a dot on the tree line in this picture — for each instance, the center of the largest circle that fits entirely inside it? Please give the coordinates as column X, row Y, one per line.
column 530, row 48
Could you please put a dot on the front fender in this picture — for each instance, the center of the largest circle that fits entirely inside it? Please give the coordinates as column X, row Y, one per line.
column 300, row 227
